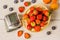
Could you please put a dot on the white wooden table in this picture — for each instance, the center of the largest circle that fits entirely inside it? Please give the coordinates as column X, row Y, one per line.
column 34, row 36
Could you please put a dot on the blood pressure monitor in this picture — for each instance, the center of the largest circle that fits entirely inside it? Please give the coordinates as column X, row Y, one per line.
column 12, row 21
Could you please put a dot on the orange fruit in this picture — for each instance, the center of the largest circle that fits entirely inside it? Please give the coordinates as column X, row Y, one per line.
column 54, row 6
column 46, row 1
column 54, row 1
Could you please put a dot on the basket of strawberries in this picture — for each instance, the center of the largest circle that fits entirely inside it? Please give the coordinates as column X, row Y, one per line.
column 36, row 18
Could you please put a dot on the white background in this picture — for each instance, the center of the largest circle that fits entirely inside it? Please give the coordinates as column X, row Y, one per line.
column 34, row 36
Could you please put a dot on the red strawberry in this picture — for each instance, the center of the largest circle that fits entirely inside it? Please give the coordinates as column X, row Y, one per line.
column 38, row 9
column 27, row 3
column 33, row 24
column 32, row 8
column 39, row 16
column 42, row 24
column 45, row 12
column 30, row 13
column 32, row 18
column 45, row 18
column 21, row 9
column 25, row 16
column 35, row 12
column 29, row 27
column 37, row 28
column 28, row 21
column 37, row 21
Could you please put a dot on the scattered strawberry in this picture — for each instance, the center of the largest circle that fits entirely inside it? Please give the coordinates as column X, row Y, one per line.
column 26, row 35
column 39, row 16
column 45, row 12
column 27, row 3
column 37, row 28
column 29, row 27
column 54, row 6
column 20, row 32
column 35, row 12
column 32, row 8
column 21, row 9
column 32, row 18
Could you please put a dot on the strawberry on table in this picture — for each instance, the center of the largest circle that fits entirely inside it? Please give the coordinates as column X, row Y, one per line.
column 45, row 12
column 26, row 35
column 21, row 9
column 39, row 16
column 32, row 18
column 35, row 12
column 27, row 3
column 20, row 32
column 37, row 28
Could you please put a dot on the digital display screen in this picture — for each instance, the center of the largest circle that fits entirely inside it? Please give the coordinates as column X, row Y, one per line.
column 13, row 18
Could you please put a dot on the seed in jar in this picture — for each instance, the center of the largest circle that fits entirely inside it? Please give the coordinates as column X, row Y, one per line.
column 53, row 27
column 5, row 6
column 15, row 1
column 21, row 0
column 48, row 32
column 11, row 9
column 33, row 1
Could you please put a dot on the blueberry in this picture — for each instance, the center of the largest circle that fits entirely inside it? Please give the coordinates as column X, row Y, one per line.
column 48, row 32
column 5, row 6
column 53, row 27
column 11, row 9
column 21, row 0
column 15, row 1
column 33, row 1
